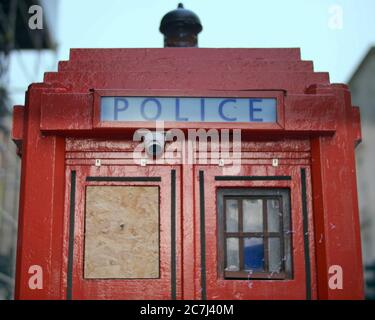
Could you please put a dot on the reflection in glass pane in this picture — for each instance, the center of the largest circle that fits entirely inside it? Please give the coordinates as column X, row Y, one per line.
column 232, row 215
column 254, row 254
column 233, row 260
column 273, row 215
column 274, row 255
column 252, row 215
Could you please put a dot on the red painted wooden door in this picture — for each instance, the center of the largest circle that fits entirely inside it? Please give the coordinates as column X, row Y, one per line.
column 166, row 282
column 191, row 254
column 213, row 284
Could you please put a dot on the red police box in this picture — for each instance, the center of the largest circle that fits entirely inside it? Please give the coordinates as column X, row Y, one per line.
column 99, row 222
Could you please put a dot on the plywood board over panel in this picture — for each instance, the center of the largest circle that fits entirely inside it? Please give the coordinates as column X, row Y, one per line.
column 121, row 232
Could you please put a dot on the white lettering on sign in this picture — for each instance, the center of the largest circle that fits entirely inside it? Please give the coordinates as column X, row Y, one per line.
column 255, row 110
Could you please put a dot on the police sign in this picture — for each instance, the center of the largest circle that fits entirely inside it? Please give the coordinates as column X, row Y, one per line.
column 184, row 109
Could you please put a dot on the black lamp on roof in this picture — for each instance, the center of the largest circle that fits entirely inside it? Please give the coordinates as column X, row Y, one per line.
column 180, row 28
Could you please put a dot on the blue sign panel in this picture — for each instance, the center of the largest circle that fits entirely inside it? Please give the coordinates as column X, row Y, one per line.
column 183, row 109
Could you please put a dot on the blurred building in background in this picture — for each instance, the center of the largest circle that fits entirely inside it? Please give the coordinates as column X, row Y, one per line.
column 15, row 35
column 362, row 87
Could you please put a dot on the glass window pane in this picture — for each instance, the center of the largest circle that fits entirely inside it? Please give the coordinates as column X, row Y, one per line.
column 253, row 215
column 232, row 215
column 273, row 215
column 275, row 264
column 233, row 259
column 254, row 254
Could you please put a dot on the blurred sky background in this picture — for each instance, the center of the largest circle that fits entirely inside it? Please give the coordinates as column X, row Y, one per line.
column 335, row 43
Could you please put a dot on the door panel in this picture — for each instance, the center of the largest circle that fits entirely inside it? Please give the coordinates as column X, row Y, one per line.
column 126, row 242
column 124, row 233
column 121, row 232
column 215, row 284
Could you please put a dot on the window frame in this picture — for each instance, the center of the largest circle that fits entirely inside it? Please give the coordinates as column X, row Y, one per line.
column 284, row 233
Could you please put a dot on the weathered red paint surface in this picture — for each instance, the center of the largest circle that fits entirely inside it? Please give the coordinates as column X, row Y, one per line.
column 117, row 288
column 218, row 288
column 57, row 132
